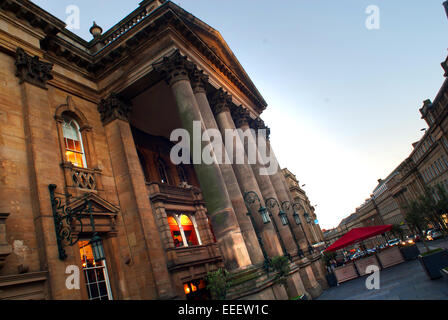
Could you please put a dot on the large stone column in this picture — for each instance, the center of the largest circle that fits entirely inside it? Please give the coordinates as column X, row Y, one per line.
column 148, row 273
column 280, row 185
column 174, row 69
column 245, row 178
column 263, row 181
column 198, row 81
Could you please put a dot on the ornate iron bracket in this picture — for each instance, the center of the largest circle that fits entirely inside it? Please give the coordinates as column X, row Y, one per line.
column 65, row 218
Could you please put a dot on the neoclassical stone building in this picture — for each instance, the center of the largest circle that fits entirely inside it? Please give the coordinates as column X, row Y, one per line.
column 86, row 178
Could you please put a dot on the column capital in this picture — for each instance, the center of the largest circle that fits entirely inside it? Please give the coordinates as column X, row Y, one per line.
column 32, row 70
column 258, row 124
column 174, row 68
column 114, row 108
column 241, row 116
column 198, row 80
column 221, row 102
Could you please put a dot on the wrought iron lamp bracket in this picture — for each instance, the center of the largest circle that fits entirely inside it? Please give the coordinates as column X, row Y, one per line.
column 65, row 218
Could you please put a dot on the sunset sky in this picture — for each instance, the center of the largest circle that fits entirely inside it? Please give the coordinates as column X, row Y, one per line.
column 343, row 100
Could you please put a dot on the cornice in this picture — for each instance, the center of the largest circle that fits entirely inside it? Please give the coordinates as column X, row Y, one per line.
column 34, row 15
column 97, row 64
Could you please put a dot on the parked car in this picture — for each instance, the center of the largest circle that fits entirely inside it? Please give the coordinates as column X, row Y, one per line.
column 393, row 242
column 434, row 234
column 414, row 237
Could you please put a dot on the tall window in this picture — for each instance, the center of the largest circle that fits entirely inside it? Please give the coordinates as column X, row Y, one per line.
column 95, row 273
column 175, row 232
column 189, row 230
column 183, row 231
column 142, row 160
column 74, row 149
column 182, row 174
column 162, row 171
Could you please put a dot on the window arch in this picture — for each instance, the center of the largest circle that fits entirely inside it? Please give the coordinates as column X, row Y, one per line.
column 142, row 160
column 163, row 172
column 175, row 232
column 182, row 174
column 74, row 147
column 189, row 230
column 183, row 230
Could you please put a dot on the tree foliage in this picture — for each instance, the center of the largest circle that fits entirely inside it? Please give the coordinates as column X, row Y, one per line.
column 218, row 283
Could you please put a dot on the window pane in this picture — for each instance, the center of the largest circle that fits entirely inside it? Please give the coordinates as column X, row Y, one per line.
column 90, row 274
column 77, row 146
column 103, row 288
column 70, row 144
column 93, row 290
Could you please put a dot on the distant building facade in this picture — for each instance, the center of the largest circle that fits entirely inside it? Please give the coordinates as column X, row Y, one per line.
column 311, row 223
column 425, row 168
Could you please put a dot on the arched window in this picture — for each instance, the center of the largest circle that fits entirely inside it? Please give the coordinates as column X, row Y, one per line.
column 74, row 148
column 163, row 171
column 182, row 174
column 189, row 230
column 183, row 231
column 175, row 232
column 142, row 160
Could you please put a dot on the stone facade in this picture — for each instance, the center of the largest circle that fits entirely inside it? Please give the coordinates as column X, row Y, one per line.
column 85, row 164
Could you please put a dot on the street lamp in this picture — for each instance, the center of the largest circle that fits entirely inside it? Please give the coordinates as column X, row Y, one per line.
column 307, row 217
column 271, row 203
column 299, row 222
column 286, row 205
column 249, row 199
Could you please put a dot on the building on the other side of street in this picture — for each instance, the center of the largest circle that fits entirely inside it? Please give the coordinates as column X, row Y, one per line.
column 311, row 225
column 305, row 218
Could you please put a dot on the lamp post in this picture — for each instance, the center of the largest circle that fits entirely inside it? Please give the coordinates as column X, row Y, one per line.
column 286, row 205
column 270, row 204
column 250, row 198
column 299, row 222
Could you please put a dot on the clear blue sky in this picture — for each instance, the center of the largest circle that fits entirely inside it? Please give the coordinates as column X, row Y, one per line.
column 343, row 100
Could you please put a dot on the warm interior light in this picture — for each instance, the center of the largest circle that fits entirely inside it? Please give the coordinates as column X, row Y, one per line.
column 193, row 288
column 187, row 289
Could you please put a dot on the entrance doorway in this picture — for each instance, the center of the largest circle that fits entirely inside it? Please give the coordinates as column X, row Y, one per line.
column 95, row 274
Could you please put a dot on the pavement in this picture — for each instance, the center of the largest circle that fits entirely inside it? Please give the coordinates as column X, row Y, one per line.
column 406, row 281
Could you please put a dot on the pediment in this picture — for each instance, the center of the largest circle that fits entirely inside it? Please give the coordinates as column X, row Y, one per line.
column 214, row 40
column 98, row 204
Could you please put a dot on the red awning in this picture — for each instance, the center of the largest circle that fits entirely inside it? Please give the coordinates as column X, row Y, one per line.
column 358, row 234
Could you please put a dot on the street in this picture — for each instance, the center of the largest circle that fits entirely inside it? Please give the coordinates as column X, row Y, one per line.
column 407, row 281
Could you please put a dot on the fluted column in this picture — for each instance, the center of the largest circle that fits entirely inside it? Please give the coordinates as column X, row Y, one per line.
column 241, row 119
column 244, row 176
column 198, row 81
column 279, row 183
column 282, row 190
column 263, row 181
column 174, row 69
